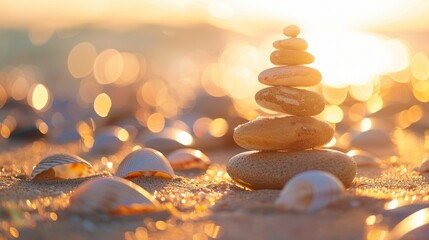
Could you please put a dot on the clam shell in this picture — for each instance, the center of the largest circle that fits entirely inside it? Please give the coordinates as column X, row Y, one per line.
column 111, row 195
column 424, row 168
column 61, row 166
column 364, row 159
column 187, row 158
column 310, row 191
column 107, row 141
column 145, row 162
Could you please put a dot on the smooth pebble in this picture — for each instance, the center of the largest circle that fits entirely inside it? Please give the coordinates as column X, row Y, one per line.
column 298, row 102
column 291, row 44
column 291, row 57
column 291, row 31
column 292, row 76
column 283, row 133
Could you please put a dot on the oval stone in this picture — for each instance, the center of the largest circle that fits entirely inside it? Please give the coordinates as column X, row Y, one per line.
column 291, row 57
column 272, row 170
column 298, row 102
column 292, row 76
column 291, row 44
column 291, row 31
column 283, row 133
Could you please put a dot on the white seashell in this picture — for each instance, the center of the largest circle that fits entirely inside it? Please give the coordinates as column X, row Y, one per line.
column 61, row 166
column 145, row 162
column 111, row 195
column 187, row 158
column 363, row 159
column 109, row 140
column 310, row 191
column 169, row 139
column 424, row 168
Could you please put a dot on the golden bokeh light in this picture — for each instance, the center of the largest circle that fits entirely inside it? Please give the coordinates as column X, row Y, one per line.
column 40, row 36
column 415, row 113
column 5, row 131
column 374, row 103
column 365, row 124
column 421, row 90
column 102, row 105
column 136, row 147
column 39, row 97
column 3, row 96
column 218, row 127
column 81, row 59
column 331, row 143
column 108, row 66
column 209, row 80
column 361, row 92
column 153, row 92
column 156, row 122
column 131, row 69
column 42, row 126
column 20, row 88
column 13, row 232
column 399, row 58
column 420, row 66
column 184, row 138
column 334, row 95
column 409, row 116
column 122, row 134
column 333, row 114
column 401, row 76
column 371, row 220
column 201, row 126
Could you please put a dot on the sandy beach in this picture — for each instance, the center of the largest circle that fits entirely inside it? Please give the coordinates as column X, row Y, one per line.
column 210, row 205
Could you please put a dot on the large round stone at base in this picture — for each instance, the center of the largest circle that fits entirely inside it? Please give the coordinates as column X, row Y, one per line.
column 272, row 169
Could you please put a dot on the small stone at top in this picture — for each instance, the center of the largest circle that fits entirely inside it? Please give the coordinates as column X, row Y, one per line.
column 291, row 31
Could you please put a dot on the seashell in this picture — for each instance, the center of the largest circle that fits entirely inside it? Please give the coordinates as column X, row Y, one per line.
column 424, row 168
column 363, row 159
column 112, row 195
column 109, row 140
column 414, row 226
column 61, row 166
column 145, row 162
column 187, row 158
column 310, row 191
column 169, row 139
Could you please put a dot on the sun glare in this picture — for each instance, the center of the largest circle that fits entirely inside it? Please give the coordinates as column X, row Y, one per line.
column 358, row 58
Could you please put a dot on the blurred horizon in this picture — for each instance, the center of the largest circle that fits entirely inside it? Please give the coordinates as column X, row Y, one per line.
column 237, row 15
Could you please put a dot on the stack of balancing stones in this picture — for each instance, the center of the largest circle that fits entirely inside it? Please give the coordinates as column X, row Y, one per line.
column 284, row 146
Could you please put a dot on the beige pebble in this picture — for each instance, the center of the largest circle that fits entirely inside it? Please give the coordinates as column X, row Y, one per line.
column 298, row 102
column 283, row 133
column 291, row 57
column 291, row 31
column 272, row 170
column 292, row 76
column 291, row 44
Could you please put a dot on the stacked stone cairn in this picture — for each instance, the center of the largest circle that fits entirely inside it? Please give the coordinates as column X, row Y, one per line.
column 284, row 146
